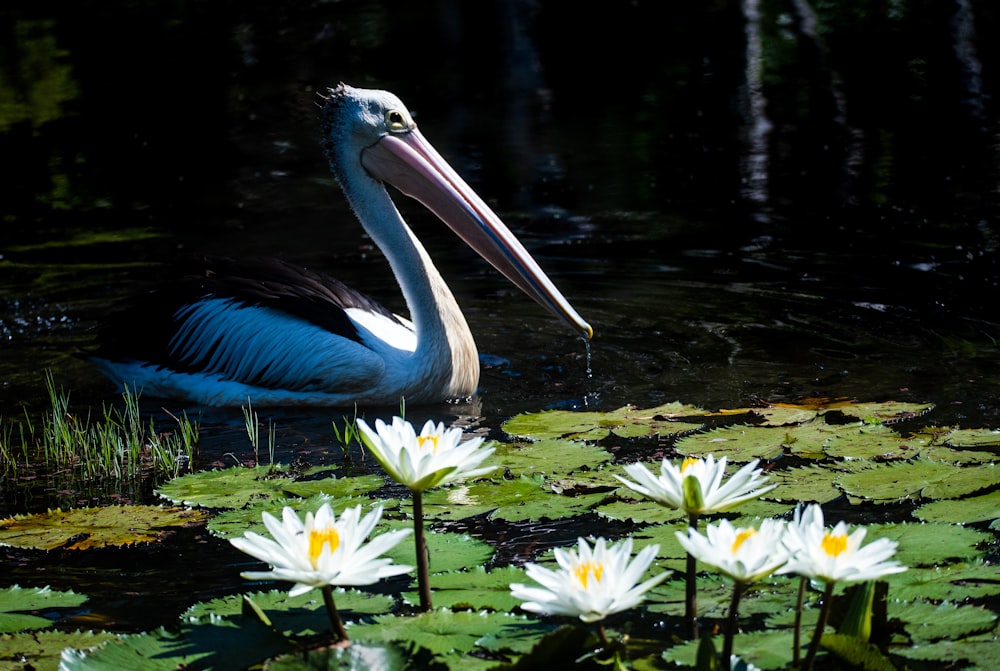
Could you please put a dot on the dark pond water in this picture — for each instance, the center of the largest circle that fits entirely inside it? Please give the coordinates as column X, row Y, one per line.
column 746, row 211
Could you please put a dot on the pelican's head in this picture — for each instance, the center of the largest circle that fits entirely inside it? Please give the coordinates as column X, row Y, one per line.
column 373, row 131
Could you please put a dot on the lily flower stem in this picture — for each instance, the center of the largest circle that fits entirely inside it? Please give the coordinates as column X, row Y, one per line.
column 423, row 579
column 691, row 586
column 339, row 633
column 824, row 613
column 602, row 635
column 734, row 605
column 797, row 630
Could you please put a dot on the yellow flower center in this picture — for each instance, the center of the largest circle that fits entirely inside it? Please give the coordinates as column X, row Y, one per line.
column 584, row 570
column 834, row 545
column 320, row 537
column 423, row 440
column 688, row 461
column 741, row 536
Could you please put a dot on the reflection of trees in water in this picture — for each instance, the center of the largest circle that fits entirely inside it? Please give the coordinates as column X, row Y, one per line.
column 593, row 107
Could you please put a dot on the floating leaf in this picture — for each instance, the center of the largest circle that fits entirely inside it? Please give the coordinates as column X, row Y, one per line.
column 447, row 551
column 956, row 582
column 524, row 498
column 237, row 522
column 858, row 652
column 86, row 528
column 981, row 652
column 916, row 479
column 440, row 631
column 929, row 544
column 764, row 649
column 926, row 622
column 222, row 643
column 17, row 606
column 964, row 511
column 42, row 649
column 626, row 422
column 865, row 441
column 738, row 444
column 549, row 457
column 805, row 484
column 385, row 656
column 236, row 487
column 475, row 589
column 884, row 413
column 301, row 615
column 975, row 438
column 776, row 415
column 643, row 511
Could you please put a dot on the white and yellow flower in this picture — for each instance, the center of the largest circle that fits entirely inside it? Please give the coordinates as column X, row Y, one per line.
column 745, row 554
column 420, row 462
column 696, row 486
column 835, row 555
column 591, row 583
column 323, row 550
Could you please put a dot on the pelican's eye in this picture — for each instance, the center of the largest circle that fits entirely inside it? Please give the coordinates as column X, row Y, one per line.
column 397, row 121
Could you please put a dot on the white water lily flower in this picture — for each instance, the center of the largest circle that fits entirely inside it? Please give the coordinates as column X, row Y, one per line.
column 836, row 555
column 696, row 486
column 323, row 550
column 421, row 462
column 744, row 554
column 591, row 583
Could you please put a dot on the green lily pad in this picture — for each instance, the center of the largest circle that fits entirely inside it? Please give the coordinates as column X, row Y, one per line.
column 764, row 649
column 981, row 652
column 739, row 444
column 974, row 438
column 953, row 582
column 916, row 479
column 963, row 511
column 516, row 500
column 642, row 511
column 549, row 457
column 237, row 522
column 625, row 422
column 475, row 589
column 384, row 656
column 447, row 551
column 804, row 484
column 17, row 606
column 866, row 441
column 929, row 544
column 926, row 622
column 220, row 643
column 884, row 413
column 301, row 615
column 238, row 486
column 86, row 528
column 42, row 650
column 440, row 631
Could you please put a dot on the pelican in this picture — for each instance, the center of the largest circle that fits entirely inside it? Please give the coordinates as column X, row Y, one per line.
column 280, row 335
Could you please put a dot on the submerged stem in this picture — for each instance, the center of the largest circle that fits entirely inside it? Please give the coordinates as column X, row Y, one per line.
column 336, row 625
column 423, row 579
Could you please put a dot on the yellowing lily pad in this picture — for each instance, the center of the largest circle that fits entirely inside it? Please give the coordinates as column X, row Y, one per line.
column 87, row 528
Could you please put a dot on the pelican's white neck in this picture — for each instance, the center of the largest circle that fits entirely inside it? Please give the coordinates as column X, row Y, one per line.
column 446, row 354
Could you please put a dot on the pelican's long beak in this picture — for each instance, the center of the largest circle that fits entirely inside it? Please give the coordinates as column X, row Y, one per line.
column 412, row 165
